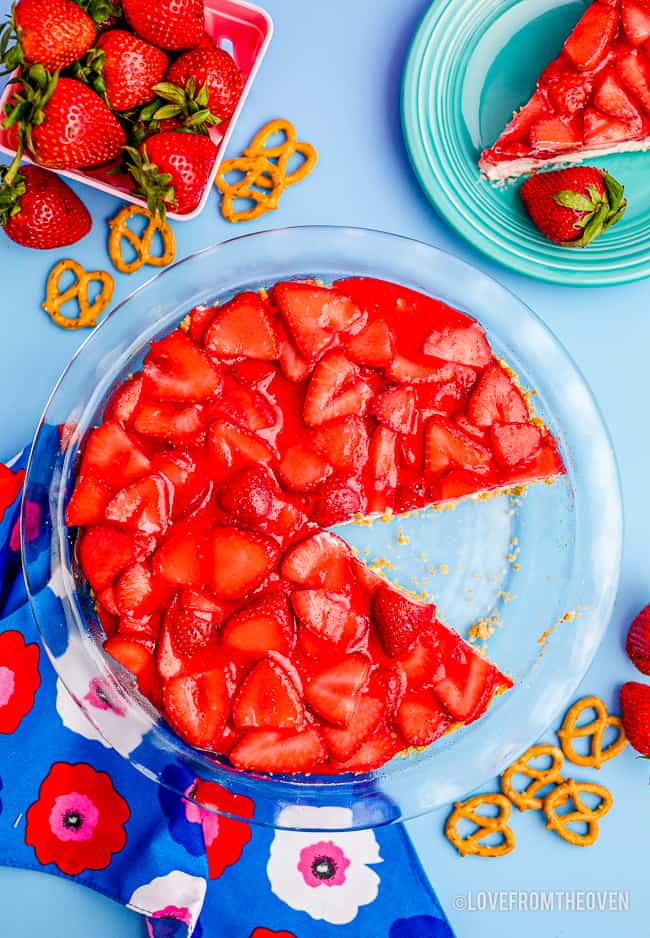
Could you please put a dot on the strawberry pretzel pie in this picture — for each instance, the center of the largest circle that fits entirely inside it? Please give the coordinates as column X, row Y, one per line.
column 204, row 500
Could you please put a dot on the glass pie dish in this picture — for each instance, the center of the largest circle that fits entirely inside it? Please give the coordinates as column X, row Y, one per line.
column 532, row 572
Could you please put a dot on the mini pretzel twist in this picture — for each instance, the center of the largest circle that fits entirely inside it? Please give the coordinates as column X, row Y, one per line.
column 283, row 152
column 595, row 729
column 485, row 826
column 141, row 244
column 572, row 791
column 527, row 799
column 88, row 312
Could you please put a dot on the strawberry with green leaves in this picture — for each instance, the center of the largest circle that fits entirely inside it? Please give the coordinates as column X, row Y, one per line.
column 214, row 68
column 171, row 170
column 123, row 69
column 52, row 33
column 168, row 24
column 573, row 206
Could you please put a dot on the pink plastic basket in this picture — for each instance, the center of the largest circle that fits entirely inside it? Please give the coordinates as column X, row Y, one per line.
column 243, row 30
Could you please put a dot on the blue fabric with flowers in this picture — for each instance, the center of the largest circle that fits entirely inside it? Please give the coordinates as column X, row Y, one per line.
column 77, row 808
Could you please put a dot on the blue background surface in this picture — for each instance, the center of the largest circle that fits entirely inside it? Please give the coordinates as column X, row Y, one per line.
column 335, row 68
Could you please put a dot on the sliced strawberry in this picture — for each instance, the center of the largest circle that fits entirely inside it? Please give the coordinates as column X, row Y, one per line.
column 197, row 706
column 513, row 443
column 314, row 315
column 108, row 599
column 168, row 420
column 459, row 339
column 374, row 753
column 145, row 505
column 466, row 697
column 124, row 400
column 635, row 18
column 176, row 369
column 399, row 621
column 457, row 483
column 243, row 406
column 185, row 558
column 321, row 561
column 422, row 664
column 111, row 455
column 546, row 464
column 554, row 133
column 373, row 346
column 354, row 638
column 248, row 496
column 405, row 371
column 142, row 628
column 335, row 390
column 192, row 620
column 479, row 433
column 592, row 36
column 518, row 129
column 231, row 448
column 343, row 742
column 335, row 503
column 610, row 97
column 293, row 365
column 242, row 559
column 108, row 621
column 252, row 373
column 261, row 626
column 104, row 552
column 496, row 397
column 569, row 92
column 421, row 720
column 634, row 70
column 396, row 410
column 448, row 447
column 243, row 326
column 324, row 613
column 601, row 129
column 344, row 443
column 187, row 471
column 334, row 693
column 267, row 699
column 382, row 457
column 200, row 319
column 138, row 593
column 277, row 751
column 87, row 502
column 135, row 658
column 302, row 469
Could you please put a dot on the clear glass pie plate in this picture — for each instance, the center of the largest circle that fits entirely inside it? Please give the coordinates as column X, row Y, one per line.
column 535, row 572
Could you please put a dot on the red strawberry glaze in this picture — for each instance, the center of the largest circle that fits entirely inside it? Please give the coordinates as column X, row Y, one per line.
column 220, row 520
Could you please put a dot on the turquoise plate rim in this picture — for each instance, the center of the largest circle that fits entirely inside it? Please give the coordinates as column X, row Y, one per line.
column 416, row 77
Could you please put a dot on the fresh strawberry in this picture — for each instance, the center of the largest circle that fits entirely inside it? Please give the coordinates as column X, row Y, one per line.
column 66, row 125
column 314, row 315
column 52, row 33
column 334, row 693
column 466, row 697
column 232, row 448
column 277, row 751
column 343, row 742
column 171, row 169
column 372, row 346
column 135, row 658
column 399, row 621
column 421, row 720
column 264, row 625
column 192, row 620
column 496, row 397
column 322, row 612
column 336, row 502
column 634, row 69
column 635, row 711
column 458, row 339
column 513, row 443
column 138, row 593
column 335, row 390
column 302, row 469
column 123, row 69
column 449, row 447
column 638, row 641
column 379, row 749
column 267, row 699
column 185, row 558
column 635, row 17
column 242, row 327
column 197, row 706
column 395, row 409
column 166, row 23
column 213, row 68
column 242, row 559
column 168, row 420
column 321, row 561
column 573, row 206
column 145, row 505
column 610, row 97
column 344, row 443
column 87, row 502
column 104, row 552
column 592, row 36
column 38, row 209
column 111, row 456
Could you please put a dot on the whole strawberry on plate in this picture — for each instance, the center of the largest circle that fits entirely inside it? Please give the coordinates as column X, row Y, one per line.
column 39, row 210
column 573, row 206
column 171, row 169
column 215, row 68
column 635, row 711
column 123, row 69
column 53, row 33
column 65, row 124
column 168, row 24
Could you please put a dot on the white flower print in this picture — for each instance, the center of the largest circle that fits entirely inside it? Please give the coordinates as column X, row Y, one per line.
column 323, row 874
column 176, row 895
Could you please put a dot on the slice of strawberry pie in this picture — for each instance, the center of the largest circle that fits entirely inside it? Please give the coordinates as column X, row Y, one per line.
column 203, row 503
column 593, row 99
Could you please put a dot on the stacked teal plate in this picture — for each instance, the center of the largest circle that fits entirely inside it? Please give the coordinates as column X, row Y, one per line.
column 471, row 64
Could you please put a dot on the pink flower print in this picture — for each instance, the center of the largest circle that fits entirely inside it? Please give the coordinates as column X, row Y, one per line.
column 73, row 817
column 323, row 864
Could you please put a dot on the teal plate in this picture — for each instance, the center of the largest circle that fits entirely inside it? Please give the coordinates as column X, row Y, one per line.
column 471, row 64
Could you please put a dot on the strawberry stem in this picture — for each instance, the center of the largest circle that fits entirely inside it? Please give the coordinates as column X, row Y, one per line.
column 598, row 211
column 149, row 181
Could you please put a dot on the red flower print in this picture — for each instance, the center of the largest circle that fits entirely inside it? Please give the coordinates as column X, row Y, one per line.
column 266, row 933
column 224, row 837
column 19, row 679
column 78, row 821
column 10, row 485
